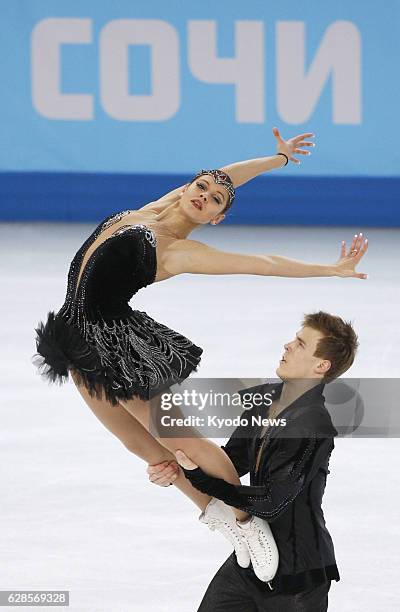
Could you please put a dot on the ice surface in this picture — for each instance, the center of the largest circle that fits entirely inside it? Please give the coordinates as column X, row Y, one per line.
column 77, row 512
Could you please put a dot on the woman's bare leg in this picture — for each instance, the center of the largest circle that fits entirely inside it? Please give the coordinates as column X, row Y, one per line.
column 127, row 428
column 205, row 453
column 142, row 414
column 131, row 428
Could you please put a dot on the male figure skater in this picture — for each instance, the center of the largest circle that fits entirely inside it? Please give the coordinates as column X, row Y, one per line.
column 288, row 470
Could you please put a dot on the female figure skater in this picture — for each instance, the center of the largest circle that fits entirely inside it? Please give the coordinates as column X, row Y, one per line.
column 121, row 358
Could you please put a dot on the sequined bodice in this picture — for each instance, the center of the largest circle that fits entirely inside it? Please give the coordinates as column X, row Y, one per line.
column 115, row 351
column 121, row 265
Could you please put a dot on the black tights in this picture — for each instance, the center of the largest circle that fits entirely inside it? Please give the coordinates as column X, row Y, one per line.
column 232, row 591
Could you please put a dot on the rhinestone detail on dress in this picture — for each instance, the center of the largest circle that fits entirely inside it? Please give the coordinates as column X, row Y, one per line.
column 127, row 353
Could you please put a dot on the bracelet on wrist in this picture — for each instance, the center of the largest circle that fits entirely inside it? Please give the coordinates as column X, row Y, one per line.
column 286, row 157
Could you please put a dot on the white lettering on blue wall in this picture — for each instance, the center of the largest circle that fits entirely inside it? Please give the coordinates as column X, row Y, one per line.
column 115, row 39
column 338, row 57
column 298, row 87
column 47, row 38
column 245, row 70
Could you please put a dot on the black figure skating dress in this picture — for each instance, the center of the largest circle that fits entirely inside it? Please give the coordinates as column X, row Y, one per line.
column 111, row 348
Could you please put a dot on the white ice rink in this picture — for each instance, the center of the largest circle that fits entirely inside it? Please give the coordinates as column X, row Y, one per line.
column 77, row 512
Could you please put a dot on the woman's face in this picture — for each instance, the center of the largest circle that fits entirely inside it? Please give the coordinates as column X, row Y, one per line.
column 204, row 200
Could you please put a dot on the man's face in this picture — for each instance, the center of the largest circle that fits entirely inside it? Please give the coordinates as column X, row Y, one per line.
column 298, row 360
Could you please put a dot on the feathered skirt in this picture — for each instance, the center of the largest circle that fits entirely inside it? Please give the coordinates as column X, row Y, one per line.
column 133, row 356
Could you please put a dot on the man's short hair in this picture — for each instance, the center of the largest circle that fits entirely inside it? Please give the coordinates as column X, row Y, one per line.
column 339, row 343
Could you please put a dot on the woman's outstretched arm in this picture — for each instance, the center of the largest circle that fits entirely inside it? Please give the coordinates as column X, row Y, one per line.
column 243, row 171
column 189, row 256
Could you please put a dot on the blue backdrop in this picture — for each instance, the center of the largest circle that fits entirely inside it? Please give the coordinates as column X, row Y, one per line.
column 106, row 105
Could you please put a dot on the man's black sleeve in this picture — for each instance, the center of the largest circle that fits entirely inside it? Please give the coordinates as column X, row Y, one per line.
column 294, row 462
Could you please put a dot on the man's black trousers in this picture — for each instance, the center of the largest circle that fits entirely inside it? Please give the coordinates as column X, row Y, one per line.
column 233, row 590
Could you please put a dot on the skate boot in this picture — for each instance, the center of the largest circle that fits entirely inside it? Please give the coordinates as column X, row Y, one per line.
column 257, row 535
column 219, row 516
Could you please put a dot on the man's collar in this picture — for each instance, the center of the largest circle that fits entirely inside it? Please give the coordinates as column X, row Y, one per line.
column 308, row 397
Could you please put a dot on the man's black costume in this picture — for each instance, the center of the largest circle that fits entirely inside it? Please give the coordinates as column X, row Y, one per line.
column 286, row 490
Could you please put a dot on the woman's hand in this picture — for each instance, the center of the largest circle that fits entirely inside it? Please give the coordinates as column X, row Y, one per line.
column 293, row 146
column 347, row 262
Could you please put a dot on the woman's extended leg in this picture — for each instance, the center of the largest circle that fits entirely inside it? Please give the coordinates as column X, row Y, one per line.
column 130, row 423
column 205, row 453
column 132, row 431
column 128, row 429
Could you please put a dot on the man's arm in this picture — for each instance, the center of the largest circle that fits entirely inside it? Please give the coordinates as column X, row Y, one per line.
column 294, row 463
